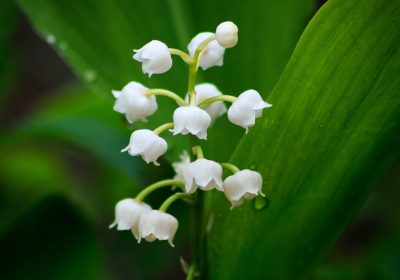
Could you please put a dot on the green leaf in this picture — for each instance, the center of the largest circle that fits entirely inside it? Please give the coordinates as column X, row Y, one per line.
column 43, row 175
column 100, row 51
column 333, row 127
column 80, row 117
column 52, row 241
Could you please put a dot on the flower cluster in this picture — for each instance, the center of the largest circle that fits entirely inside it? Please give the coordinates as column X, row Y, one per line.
column 196, row 112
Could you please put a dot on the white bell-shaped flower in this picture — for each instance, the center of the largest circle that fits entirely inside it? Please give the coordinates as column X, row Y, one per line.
column 127, row 215
column 133, row 102
column 180, row 165
column 245, row 184
column 191, row 119
column 246, row 108
column 205, row 91
column 212, row 55
column 147, row 144
column 227, row 34
column 155, row 57
column 159, row 225
column 204, row 174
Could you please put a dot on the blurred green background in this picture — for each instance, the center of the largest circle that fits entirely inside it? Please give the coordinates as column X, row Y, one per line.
column 61, row 171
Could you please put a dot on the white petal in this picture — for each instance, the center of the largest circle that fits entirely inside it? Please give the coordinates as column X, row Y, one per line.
column 240, row 116
column 127, row 214
column 190, row 186
column 212, row 55
column 246, row 108
column 155, row 57
column 133, row 102
column 158, row 225
column 206, row 174
column 116, row 93
column 179, row 166
column 245, row 184
column 146, row 143
column 191, row 119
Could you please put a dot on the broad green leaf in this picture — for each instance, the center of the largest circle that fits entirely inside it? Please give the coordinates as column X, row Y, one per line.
column 333, row 127
column 97, row 37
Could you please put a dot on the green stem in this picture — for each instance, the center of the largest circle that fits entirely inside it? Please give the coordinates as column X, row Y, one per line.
column 192, row 81
column 163, row 128
column 167, row 93
column 228, row 98
column 185, row 57
column 233, row 168
column 198, row 234
column 198, row 151
column 193, row 69
column 196, row 212
column 167, row 203
column 141, row 196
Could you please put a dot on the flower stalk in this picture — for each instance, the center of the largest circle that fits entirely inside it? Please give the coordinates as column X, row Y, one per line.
column 167, row 93
column 233, row 168
column 198, row 151
column 161, row 184
column 185, row 57
column 208, row 101
column 163, row 128
column 193, row 69
column 167, row 203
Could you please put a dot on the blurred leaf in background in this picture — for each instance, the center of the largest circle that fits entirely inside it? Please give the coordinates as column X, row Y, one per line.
column 8, row 16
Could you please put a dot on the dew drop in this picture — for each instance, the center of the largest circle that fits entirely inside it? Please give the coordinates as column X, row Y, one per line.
column 51, row 39
column 90, row 76
column 63, row 45
column 260, row 203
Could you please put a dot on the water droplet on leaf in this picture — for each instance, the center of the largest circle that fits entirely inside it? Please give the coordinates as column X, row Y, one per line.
column 260, row 203
column 51, row 39
column 90, row 75
column 63, row 45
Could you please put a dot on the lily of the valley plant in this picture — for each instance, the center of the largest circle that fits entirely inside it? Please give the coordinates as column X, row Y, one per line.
column 195, row 114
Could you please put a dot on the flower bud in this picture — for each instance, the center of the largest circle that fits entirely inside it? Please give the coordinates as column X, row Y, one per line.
column 191, row 119
column 204, row 174
column 127, row 215
column 147, row 144
column 157, row 225
column 246, row 108
column 155, row 58
column 133, row 102
column 213, row 53
column 245, row 184
column 227, row 34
